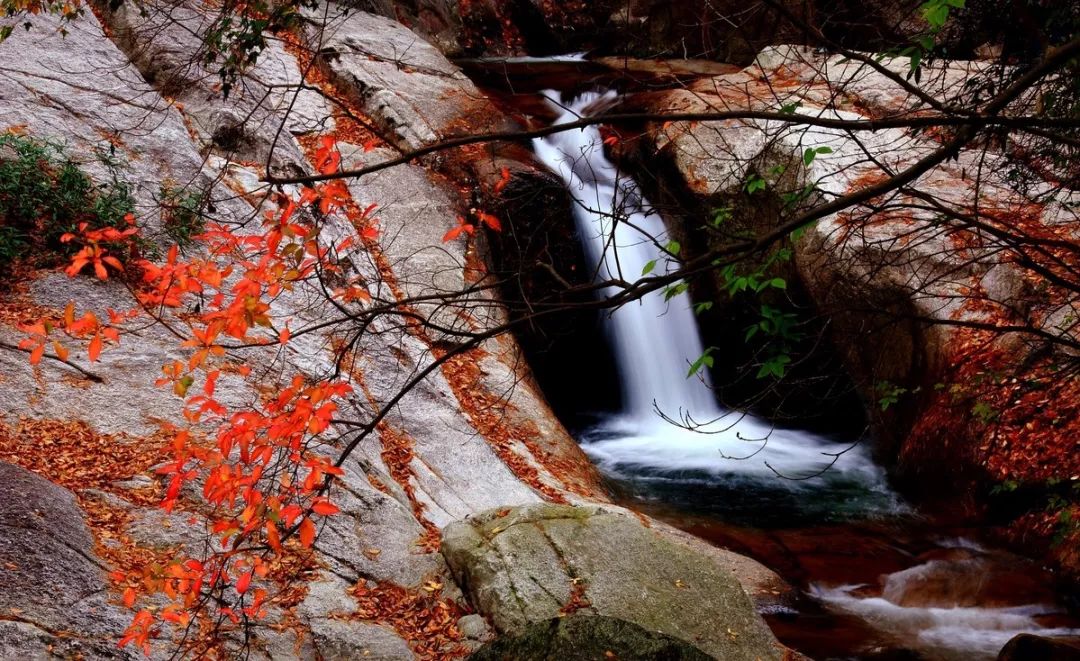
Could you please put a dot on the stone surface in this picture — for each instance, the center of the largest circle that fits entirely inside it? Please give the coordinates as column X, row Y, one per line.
column 400, row 80
column 1026, row 647
column 53, row 591
column 264, row 109
column 529, row 564
column 343, row 640
column 587, row 638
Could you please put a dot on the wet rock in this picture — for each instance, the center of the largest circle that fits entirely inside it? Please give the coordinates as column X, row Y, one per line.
column 1026, row 647
column 529, row 564
column 586, row 638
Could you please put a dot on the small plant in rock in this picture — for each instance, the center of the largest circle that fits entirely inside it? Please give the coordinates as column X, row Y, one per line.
column 45, row 195
column 182, row 216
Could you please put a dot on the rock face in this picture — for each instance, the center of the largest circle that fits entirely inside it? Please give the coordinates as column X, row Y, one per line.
column 585, row 638
column 526, row 565
column 53, row 593
column 475, row 435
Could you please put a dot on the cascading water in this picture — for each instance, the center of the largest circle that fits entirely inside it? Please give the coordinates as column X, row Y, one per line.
column 656, row 340
column 724, row 464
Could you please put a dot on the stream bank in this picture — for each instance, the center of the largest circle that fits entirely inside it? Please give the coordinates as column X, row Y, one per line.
column 880, row 579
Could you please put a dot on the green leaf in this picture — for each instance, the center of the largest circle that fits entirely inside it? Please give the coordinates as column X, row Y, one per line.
column 778, row 283
column 775, row 366
column 702, row 307
column 673, row 247
column 649, row 267
column 754, row 184
column 704, row 360
column 671, row 291
column 5, row 32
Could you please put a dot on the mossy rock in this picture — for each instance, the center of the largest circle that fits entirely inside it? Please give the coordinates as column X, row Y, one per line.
column 588, row 638
column 529, row 564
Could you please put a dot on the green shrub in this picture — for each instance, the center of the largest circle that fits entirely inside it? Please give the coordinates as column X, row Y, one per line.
column 181, row 214
column 44, row 194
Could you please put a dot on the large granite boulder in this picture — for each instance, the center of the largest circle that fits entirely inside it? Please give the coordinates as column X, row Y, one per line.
column 529, row 564
column 54, row 597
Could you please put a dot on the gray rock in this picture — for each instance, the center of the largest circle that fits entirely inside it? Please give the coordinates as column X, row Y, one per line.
column 402, row 81
column 537, row 562
column 345, row 639
column 52, row 582
column 475, row 627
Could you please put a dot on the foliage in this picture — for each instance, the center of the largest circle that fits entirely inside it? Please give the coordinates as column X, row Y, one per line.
column 45, row 195
column 262, row 473
column 181, row 214
column 889, row 394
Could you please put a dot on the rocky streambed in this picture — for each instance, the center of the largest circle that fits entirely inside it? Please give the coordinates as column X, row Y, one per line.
column 472, row 515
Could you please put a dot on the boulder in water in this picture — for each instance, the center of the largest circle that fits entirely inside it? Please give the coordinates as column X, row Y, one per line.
column 1026, row 647
column 585, row 638
column 529, row 564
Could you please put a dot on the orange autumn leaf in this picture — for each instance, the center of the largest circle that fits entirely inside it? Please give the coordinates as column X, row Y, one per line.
column 504, row 179
column 491, row 221
column 324, row 507
column 243, row 583
column 307, row 533
column 95, row 348
column 463, row 226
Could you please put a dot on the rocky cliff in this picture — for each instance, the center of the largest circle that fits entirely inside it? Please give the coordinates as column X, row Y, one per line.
column 474, row 436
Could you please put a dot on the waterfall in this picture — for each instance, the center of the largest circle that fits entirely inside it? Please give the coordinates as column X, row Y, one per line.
column 656, row 340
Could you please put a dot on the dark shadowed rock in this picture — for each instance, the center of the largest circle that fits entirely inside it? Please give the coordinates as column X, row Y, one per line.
column 584, row 638
column 1027, row 647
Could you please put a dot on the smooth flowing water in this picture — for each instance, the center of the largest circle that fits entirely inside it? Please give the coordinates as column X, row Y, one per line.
column 762, row 489
column 671, row 428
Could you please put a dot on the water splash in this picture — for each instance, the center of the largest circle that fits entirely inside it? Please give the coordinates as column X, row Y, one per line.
column 656, row 340
column 941, row 607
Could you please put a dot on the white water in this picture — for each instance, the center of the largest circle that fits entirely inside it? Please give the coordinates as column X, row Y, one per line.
column 933, row 608
column 655, row 342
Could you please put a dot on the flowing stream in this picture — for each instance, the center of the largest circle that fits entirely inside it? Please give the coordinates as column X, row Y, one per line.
column 675, row 450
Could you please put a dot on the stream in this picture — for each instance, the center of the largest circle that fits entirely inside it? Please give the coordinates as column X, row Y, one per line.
column 877, row 578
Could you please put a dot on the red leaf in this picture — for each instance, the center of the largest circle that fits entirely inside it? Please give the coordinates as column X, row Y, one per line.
column 36, row 354
column 129, row 597
column 95, row 347
column 489, row 220
column 307, row 533
column 324, row 507
column 243, row 583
